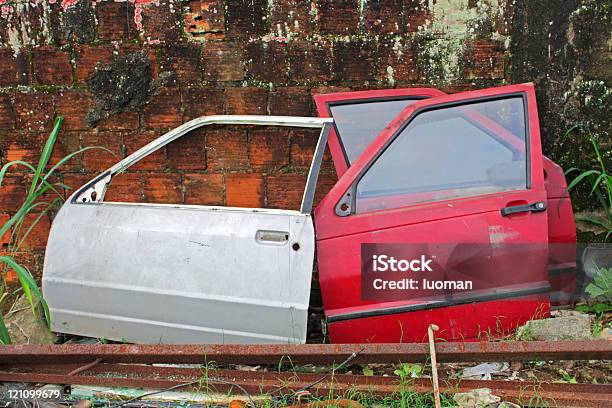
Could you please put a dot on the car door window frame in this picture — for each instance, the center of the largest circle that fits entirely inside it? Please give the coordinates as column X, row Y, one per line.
column 93, row 191
column 323, row 102
column 347, row 204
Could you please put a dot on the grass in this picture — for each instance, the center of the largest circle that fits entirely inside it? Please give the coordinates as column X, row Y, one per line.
column 600, row 181
column 42, row 197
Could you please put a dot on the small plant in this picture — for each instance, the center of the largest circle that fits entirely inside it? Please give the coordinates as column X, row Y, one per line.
column 566, row 377
column 42, row 197
column 601, row 186
column 407, row 371
column 601, row 287
column 367, row 371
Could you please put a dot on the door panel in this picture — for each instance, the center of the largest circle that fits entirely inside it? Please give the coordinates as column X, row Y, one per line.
column 431, row 194
column 152, row 274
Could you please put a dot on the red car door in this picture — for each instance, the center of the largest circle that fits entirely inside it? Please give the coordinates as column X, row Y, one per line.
column 455, row 181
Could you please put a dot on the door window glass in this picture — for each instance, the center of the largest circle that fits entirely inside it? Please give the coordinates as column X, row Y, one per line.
column 358, row 124
column 450, row 152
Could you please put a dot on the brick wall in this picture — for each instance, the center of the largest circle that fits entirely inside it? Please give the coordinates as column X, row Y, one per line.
column 123, row 72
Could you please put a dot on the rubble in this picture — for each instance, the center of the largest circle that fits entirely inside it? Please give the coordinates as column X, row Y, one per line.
column 576, row 326
column 24, row 327
column 478, row 398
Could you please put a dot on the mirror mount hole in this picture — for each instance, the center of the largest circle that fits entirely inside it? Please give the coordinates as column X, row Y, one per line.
column 344, row 207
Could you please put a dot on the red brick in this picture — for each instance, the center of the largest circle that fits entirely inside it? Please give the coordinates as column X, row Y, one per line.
column 66, row 143
column 97, row 160
column 115, row 20
column 163, row 189
column 37, row 238
column 7, row 113
column 34, row 111
column 204, row 17
column 14, row 69
column 338, row 16
column 310, row 61
column 416, row 14
column 244, row 190
column 23, row 147
column 161, row 21
column 222, row 61
column 329, row 89
column 188, row 152
column 401, row 56
column 269, row 148
column 6, row 238
column 73, row 105
column 77, row 24
column 292, row 16
column 163, row 110
column 226, row 149
column 266, row 61
column 51, row 66
column 12, row 193
column 74, row 181
column 246, row 17
column 285, row 191
column 483, row 60
column 184, row 60
column 291, row 101
column 457, row 87
column 203, row 189
column 303, row 144
column 154, row 161
column 120, row 121
column 324, row 184
column 383, row 16
column 91, row 57
column 28, row 259
column 354, row 60
column 125, row 187
column 202, row 102
column 246, row 101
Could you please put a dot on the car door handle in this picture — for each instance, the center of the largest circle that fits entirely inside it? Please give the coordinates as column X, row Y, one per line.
column 272, row 237
column 534, row 207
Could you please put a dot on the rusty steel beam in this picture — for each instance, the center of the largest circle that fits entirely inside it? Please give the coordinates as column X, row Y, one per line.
column 308, row 353
column 154, row 377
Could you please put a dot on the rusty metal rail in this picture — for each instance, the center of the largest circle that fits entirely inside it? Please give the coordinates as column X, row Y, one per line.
column 308, row 353
column 130, row 366
column 156, row 377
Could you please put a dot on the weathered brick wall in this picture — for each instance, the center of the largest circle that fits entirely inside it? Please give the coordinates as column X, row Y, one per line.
column 123, row 72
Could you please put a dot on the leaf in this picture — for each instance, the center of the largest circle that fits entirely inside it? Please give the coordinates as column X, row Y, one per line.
column 594, row 290
column 38, row 218
column 367, row 371
column 28, row 284
column 46, row 154
column 598, row 180
column 5, row 337
column 601, row 307
column 581, row 177
column 71, row 155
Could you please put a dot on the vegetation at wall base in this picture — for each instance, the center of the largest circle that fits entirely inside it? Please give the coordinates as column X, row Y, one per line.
column 600, row 182
column 42, row 197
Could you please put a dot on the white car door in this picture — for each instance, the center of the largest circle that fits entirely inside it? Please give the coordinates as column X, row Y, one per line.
column 165, row 273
